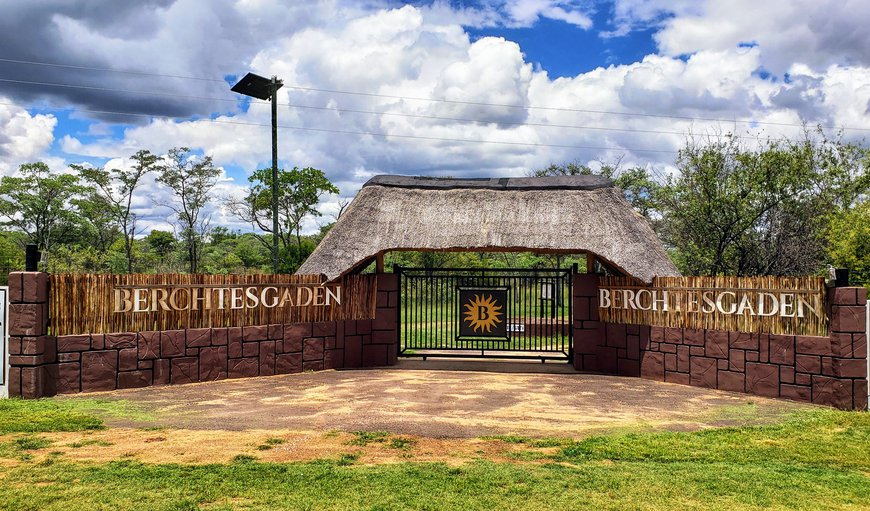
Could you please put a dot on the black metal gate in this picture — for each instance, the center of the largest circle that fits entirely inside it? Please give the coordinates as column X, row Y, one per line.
column 494, row 313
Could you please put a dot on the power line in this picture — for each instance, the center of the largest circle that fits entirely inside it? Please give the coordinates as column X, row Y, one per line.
column 110, row 89
column 563, row 109
column 419, row 116
column 106, row 69
column 509, row 123
column 373, row 133
column 388, row 96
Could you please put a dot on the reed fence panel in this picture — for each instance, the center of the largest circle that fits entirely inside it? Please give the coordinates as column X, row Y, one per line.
column 86, row 303
column 804, row 313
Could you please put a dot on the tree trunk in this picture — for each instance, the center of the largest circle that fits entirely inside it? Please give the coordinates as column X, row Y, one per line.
column 128, row 247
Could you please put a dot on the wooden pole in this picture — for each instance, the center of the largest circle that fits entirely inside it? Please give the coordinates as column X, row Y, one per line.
column 590, row 262
column 273, row 91
column 379, row 262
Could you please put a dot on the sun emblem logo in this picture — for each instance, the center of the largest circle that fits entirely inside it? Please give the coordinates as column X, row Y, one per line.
column 483, row 313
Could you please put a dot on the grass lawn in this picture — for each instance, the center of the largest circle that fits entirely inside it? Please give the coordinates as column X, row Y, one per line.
column 818, row 459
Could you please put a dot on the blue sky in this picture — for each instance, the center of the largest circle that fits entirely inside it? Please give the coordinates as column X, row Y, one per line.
column 566, row 50
column 387, row 87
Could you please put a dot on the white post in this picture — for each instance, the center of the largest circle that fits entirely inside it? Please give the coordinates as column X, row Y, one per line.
column 4, row 341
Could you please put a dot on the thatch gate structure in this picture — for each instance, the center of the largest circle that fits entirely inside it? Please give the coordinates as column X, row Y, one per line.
column 559, row 214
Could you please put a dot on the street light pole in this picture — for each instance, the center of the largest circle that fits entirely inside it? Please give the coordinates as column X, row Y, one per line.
column 273, row 92
column 264, row 88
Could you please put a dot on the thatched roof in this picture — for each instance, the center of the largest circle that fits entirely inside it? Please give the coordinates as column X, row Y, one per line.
column 564, row 214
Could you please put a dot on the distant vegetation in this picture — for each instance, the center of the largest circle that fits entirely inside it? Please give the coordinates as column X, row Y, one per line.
column 779, row 207
column 772, row 207
column 84, row 222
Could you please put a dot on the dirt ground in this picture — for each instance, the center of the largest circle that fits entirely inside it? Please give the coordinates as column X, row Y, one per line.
column 468, row 400
column 449, row 411
column 201, row 447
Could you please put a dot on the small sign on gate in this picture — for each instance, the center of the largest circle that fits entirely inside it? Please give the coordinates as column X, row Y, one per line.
column 547, row 290
column 516, row 327
column 483, row 313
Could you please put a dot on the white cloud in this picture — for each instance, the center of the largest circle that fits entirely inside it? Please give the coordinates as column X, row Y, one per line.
column 493, row 71
column 400, row 55
column 508, row 13
column 525, row 13
column 708, row 81
column 23, row 137
column 630, row 15
column 818, row 33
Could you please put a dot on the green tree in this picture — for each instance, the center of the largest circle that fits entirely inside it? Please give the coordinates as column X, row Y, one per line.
column 252, row 253
column 11, row 254
column 68, row 258
column 99, row 227
column 233, row 252
column 639, row 187
column 114, row 190
column 732, row 209
column 39, row 204
column 848, row 238
column 161, row 242
column 191, row 181
column 293, row 255
column 221, row 234
column 299, row 193
column 158, row 253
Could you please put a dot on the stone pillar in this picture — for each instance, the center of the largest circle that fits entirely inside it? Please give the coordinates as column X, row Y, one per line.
column 32, row 352
column 382, row 346
column 588, row 330
column 842, row 381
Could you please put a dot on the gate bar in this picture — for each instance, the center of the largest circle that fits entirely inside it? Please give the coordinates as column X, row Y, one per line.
column 429, row 295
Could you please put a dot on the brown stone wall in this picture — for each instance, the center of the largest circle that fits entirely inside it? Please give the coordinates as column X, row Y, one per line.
column 31, row 350
column 43, row 365
column 826, row 370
